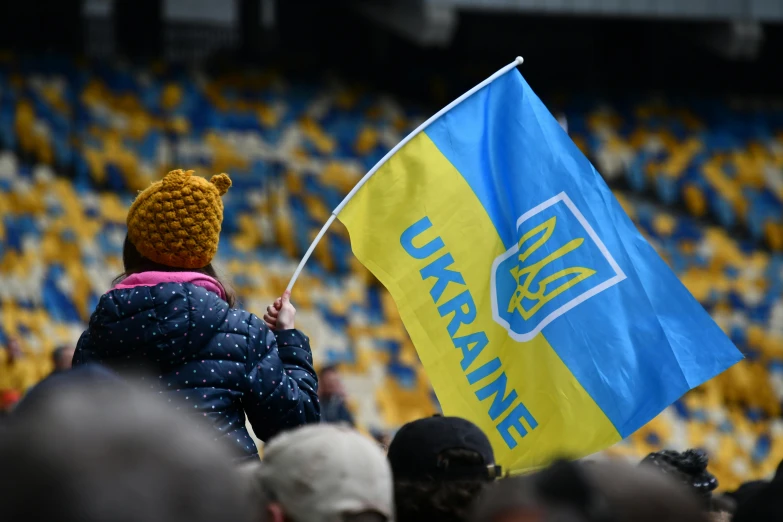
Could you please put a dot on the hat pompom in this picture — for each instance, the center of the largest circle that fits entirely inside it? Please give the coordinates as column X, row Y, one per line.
column 177, row 177
column 222, row 182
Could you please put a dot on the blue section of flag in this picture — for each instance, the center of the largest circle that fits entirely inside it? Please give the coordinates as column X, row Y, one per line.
column 554, row 265
column 635, row 345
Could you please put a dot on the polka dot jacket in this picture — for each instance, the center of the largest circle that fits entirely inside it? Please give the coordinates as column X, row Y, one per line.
column 219, row 364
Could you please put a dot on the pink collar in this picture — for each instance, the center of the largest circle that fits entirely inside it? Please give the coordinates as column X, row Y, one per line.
column 154, row 278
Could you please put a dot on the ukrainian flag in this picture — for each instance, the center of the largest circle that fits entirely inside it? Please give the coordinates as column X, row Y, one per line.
column 538, row 310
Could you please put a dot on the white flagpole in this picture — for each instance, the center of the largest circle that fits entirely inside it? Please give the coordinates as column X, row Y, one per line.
column 388, row 155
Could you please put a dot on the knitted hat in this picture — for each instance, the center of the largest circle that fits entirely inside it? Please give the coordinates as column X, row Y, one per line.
column 176, row 221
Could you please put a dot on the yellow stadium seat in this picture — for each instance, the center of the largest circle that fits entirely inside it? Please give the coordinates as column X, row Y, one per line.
column 773, row 232
column 171, row 96
column 664, row 224
column 366, row 141
column 322, row 141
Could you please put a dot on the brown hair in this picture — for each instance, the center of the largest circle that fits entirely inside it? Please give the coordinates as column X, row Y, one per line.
column 443, row 500
column 133, row 263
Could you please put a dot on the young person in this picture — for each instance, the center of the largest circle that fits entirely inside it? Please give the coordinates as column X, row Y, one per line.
column 172, row 324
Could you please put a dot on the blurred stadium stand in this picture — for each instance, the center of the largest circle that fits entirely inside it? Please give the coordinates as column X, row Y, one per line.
column 702, row 176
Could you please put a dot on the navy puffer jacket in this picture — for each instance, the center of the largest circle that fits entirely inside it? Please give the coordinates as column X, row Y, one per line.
column 215, row 362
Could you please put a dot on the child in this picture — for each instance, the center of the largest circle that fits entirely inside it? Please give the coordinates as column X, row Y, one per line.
column 171, row 323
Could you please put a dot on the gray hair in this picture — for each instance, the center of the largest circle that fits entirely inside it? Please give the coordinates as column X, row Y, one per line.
column 109, row 453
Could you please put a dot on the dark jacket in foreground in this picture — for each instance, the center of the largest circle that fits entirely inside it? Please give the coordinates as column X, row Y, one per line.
column 214, row 362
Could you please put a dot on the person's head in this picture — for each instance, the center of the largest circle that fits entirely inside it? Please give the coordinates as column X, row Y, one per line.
column 174, row 225
column 745, row 492
column 62, row 357
column 600, row 492
column 104, row 453
column 329, row 382
column 440, row 465
column 689, row 468
column 323, row 473
column 763, row 502
column 86, row 376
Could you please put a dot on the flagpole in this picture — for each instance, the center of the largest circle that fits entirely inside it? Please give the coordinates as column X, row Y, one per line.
column 392, row 152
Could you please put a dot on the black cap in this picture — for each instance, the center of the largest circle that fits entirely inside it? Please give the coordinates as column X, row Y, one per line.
column 417, row 448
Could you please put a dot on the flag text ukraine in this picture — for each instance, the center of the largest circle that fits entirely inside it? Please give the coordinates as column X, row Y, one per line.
column 461, row 310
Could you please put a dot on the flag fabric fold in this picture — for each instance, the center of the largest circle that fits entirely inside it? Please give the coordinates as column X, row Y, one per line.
column 538, row 310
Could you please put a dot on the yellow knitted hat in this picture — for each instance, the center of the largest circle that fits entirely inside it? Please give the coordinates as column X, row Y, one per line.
column 176, row 221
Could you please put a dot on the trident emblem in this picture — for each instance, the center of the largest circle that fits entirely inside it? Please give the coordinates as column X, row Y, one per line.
column 524, row 274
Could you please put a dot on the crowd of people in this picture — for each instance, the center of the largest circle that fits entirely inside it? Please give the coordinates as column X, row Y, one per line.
column 101, row 448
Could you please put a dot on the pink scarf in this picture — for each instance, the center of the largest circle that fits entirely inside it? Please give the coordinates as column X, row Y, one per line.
column 155, row 278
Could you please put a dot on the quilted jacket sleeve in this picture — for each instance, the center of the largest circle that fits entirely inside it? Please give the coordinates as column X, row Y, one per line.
column 81, row 353
column 281, row 388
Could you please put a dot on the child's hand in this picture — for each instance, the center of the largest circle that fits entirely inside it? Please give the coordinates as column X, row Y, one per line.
column 280, row 314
